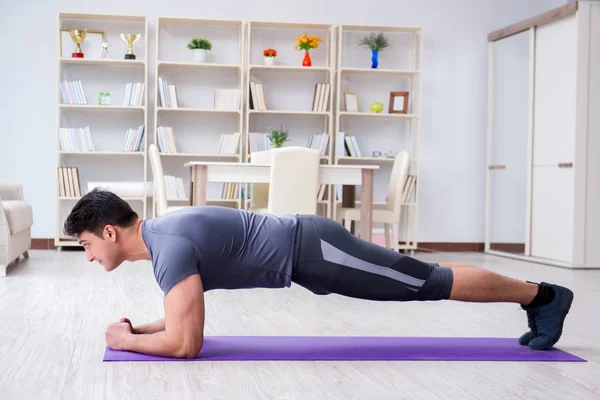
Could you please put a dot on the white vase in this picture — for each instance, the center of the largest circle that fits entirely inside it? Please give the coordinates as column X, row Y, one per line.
column 199, row 55
column 269, row 60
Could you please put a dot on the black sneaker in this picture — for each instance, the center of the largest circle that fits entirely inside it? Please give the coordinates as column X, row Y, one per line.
column 549, row 318
column 526, row 337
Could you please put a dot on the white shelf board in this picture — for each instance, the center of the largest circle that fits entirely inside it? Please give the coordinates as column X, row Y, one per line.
column 222, row 201
column 123, row 197
column 228, row 156
column 198, row 110
column 103, row 153
column 198, row 65
column 369, row 159
column 259, row 67
column 99, row 107
column 290, row 112
column 95, row 61
column 102, row 17
column 378, row 71
column 381, row 28
column 301, row 25
column 376, row 115
column 199, row 21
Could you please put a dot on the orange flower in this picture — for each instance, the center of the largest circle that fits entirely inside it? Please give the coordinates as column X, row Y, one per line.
column 307, row 42
column 270, row 52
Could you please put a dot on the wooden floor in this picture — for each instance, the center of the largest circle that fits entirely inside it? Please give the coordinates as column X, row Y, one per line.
column 54, row 309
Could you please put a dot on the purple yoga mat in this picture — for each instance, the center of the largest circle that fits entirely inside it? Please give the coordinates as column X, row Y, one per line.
column 236, row 348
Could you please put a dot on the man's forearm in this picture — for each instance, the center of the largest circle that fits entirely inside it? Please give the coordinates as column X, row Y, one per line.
column 158, row 344
column 152, row 327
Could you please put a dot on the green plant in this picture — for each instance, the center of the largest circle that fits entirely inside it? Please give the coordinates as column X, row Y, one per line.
column 374, row 41
column 277, row 137
column 203, row 44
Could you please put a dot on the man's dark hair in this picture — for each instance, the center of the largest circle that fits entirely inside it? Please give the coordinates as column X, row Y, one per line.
column 95, row 210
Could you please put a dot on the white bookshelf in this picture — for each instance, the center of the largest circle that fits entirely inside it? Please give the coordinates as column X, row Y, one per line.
column 109, row 161
column 399, row 70
column 288, row 87
column 195, row 121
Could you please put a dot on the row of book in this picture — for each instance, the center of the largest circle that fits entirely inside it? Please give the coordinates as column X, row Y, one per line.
column 318, row 142
column 258, row 142
column 321, row 97
column 72, row 92
column 167, row 94
column 68, row 182
column 229, row 143
column 174, row 188
column 166, row 139
column 347, row 146
column 228, row 99
column 257, row 97
column 231, row 190
column 76, row 139
column 133, row 139
column 134, row 94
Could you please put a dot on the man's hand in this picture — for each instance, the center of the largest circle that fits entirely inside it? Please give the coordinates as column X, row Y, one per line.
column 126, row 320
column 117, row 335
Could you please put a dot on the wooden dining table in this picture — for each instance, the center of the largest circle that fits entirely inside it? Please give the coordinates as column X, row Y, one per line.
column 350, row 176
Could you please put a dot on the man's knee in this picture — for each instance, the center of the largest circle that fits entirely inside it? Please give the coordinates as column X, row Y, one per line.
column 438, row 285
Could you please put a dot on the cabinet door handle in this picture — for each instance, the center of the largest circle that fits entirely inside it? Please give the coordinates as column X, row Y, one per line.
column 490, row 167
column 565, row 165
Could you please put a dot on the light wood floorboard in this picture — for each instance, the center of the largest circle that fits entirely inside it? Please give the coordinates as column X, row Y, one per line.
column 55, row 306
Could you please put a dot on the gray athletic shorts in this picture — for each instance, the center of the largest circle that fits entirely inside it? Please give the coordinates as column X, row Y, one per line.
column 329, row 259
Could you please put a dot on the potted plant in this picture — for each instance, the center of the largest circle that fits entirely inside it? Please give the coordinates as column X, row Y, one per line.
column 199, row 47
column 277, row 137
column 375, row 42
column 307, row 43
column 270, row 55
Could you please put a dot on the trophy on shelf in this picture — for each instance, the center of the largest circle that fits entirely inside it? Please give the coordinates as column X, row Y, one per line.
column 130, row 40
column 78, row 36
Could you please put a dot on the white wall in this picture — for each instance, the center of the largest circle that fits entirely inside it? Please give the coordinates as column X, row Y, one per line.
column 452, row 181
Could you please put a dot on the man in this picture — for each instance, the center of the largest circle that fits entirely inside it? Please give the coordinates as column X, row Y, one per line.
column 197, row 249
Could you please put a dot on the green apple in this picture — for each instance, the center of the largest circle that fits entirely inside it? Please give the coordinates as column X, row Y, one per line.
column 376, row 106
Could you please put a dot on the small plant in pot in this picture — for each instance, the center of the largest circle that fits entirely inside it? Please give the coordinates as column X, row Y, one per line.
column 270, row 55
column 375, row 42
column 199, row 47
column 277, row 137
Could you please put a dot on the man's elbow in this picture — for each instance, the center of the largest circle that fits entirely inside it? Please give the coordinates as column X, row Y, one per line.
column 190, row 350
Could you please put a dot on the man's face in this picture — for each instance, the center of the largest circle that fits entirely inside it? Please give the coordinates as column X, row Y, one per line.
column 104, row 250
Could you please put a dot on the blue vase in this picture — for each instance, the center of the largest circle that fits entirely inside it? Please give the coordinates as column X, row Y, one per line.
column 374, row 61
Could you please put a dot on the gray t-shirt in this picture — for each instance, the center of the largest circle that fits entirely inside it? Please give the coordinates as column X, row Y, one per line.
column 229, row 248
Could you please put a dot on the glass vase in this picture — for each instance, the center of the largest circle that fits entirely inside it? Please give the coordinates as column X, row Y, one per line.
column 374, row 58
column 307, row 62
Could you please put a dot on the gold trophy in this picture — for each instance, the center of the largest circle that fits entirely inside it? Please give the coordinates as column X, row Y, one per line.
column 78, row 36
column 130, row 40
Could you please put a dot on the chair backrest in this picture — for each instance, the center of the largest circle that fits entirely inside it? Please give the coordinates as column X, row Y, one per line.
column 158, row 178
column 294, row 180
column 400, row 171
column 259, row 192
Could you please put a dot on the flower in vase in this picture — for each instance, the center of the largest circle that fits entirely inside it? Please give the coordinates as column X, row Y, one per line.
column 270, row 52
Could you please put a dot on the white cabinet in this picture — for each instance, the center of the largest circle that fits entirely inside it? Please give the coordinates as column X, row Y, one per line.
column 543, row 173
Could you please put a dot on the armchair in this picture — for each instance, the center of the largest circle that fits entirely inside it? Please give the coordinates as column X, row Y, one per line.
column 16, row 219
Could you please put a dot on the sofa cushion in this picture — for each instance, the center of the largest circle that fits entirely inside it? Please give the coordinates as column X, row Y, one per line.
column 19, row 215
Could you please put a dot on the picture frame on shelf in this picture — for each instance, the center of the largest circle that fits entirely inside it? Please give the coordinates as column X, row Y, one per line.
column 350, row 102
column 398, row 103
column 93, row 42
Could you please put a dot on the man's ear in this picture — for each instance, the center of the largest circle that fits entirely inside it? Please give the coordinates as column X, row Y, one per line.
column 110, row 233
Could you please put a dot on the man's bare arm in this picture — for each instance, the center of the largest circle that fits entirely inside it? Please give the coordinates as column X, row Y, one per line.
column 152, row 327
column 183, row 333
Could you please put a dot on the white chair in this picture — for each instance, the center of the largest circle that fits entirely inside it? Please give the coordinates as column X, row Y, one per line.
column 259, row 192
column 16, row 219
column 294, row 181
column 390, row 214
column 158, row 177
